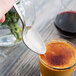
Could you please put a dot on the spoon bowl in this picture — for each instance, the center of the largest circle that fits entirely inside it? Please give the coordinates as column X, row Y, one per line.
column 30, row 36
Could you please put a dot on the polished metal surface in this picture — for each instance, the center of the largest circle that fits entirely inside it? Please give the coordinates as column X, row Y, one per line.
column 30, row 36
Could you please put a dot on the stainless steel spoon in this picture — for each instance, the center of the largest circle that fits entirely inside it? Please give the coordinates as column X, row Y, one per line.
column 30, row 36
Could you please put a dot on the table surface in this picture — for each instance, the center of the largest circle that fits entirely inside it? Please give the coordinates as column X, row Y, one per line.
column 20, row 60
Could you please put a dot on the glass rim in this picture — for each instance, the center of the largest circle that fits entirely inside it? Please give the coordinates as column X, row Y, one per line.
column 65, row 6
column 68, row 42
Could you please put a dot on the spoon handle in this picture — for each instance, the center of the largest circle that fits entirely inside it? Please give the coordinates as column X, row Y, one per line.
column 20, row 15
column 30, row 36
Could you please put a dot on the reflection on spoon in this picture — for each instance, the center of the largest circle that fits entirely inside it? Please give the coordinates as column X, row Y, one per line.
column 33, row 40
column 30, row 36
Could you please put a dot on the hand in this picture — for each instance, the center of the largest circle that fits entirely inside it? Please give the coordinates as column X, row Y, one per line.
column 5, row 6
column 2, row 19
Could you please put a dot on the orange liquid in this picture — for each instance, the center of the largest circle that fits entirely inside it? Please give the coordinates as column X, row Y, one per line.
column 58, row 55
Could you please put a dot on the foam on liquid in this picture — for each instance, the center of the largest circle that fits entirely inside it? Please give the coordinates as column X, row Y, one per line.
column 59, row 55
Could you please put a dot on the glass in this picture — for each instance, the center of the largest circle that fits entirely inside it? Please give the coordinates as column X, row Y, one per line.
column 46, row 70
column 8, row 38
column 66, row 19
column 28, row 12
column 10, row 30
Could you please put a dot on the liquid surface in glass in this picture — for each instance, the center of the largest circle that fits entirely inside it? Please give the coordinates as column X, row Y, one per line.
column 59, row 55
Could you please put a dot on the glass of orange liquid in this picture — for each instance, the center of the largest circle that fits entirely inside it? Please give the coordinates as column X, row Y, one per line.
column 59, row 59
